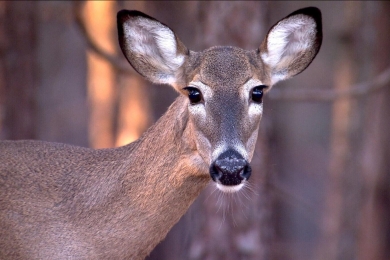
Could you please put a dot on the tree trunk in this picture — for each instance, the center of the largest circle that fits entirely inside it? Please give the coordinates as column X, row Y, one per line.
column 375, row 229
column 101, row 76
column 3, row 47
column 341, row 215
column 20, row 70
column 61, row 93
column 134, row 103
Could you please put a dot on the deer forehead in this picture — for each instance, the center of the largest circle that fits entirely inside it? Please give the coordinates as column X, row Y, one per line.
column 223, row 67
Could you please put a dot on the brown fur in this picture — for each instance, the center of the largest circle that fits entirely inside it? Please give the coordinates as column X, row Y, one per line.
column 65, row 202
column 58, row 203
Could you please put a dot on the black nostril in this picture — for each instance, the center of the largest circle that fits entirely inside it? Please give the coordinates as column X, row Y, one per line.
column 246, row 173
column 215, row 173
column 230, row 169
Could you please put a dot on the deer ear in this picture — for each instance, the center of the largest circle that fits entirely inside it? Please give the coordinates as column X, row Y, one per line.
column 292, row 43
column 151, row 47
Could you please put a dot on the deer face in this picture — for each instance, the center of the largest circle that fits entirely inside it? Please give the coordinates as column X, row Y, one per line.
column 225, row 107
column 224, row 85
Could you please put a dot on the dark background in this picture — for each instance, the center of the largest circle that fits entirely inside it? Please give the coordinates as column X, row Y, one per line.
column 321, row 182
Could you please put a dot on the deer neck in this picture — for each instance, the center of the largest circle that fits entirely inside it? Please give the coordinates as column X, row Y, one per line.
column 165, row 176
column 166, row 162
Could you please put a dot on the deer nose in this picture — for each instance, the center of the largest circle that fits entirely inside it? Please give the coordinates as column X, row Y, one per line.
column 230, row 169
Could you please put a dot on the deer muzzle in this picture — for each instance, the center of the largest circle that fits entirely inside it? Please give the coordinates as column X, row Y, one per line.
column 230, row 169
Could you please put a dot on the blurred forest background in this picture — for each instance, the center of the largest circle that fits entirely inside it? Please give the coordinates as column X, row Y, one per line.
column 321, row 182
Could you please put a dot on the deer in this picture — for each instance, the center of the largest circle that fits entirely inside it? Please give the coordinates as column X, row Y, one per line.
column 59, row 201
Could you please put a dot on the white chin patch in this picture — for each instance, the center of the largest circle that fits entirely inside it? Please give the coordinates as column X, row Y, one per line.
column 230, row 189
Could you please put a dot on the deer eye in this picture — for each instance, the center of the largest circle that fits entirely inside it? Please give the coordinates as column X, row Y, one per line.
column 257, row 93
column 194, row 95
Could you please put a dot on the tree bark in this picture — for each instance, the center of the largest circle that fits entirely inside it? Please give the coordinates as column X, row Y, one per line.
column 20, row 70
column 101, row 76
column 61, row 93
column 375, row 229
column 341, row 215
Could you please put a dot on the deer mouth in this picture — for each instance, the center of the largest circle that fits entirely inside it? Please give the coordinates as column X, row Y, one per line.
column 230, row 170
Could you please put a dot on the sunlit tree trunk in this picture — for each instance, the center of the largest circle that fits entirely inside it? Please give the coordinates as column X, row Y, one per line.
column 98, row 16
column 134, row 109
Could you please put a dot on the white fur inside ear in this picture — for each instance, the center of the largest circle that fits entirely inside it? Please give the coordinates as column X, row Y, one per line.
column 286, row 41
column 167, row 44
column 156, row 45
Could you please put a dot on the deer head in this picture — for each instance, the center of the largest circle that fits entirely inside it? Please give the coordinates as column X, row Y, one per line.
column 224, row 85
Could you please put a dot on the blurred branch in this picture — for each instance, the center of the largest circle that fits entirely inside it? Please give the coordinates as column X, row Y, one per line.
column 118, row 64
column 329, row 95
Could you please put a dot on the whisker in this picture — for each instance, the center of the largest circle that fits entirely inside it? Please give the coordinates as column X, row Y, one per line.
column 232, row 199
column 211, row 193
column 219, row 201
column 222, row 195
column 245, row 195
column 243, row 206
column 249, row 187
